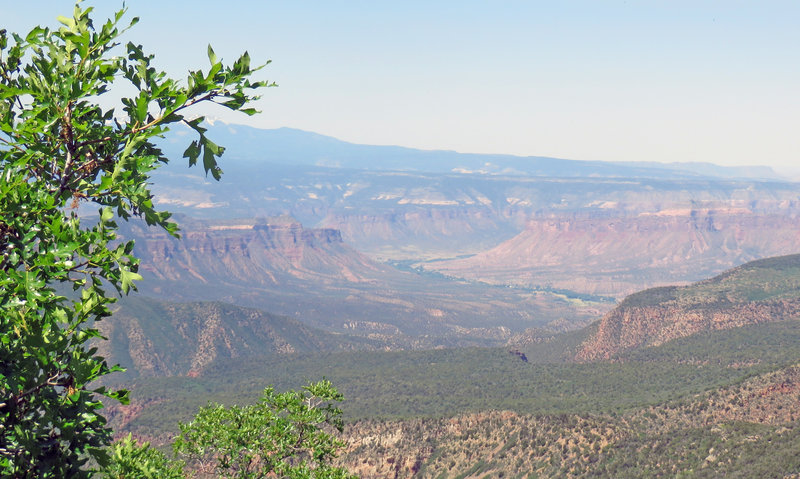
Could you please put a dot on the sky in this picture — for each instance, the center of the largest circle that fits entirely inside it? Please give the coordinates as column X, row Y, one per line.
column 665, row 81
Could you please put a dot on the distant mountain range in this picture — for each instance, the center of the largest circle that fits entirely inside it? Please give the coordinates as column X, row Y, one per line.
column 395, row 203
column 288, row 146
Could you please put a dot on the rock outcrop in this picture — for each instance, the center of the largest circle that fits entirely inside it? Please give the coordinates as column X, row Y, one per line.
column 757, row 292
column 630, row 327
column 263, row 252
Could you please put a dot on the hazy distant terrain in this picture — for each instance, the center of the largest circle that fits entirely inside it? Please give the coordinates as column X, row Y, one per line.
column 618, row 255
column 398, row 203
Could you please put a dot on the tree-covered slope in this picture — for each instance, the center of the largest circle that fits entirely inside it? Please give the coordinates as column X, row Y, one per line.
column 158, row 338
column 447, row 382
column 716, row 402
column 746, row 430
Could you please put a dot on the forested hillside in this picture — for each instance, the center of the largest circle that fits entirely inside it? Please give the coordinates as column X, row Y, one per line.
column 709, row 402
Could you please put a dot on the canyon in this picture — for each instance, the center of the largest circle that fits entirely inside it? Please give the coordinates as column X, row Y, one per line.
column 417, row 285
column 311, row 275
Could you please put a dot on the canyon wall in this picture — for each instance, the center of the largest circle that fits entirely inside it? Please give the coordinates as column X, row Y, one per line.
column 618, row 255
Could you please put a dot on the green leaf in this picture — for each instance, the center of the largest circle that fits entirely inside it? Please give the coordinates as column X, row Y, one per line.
column 106, row 214
column 212, row 57
column 210, row 152
column 192, row 152
column 127, row 278
column 68, row 22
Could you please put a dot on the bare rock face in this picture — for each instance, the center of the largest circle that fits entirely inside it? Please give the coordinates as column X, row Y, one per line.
column 620, row 255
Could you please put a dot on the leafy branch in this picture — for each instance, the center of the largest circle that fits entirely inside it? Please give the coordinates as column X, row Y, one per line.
column 59, row 150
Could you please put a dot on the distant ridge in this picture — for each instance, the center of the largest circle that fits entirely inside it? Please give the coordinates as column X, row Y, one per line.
column 710, row 169
column 291, row 146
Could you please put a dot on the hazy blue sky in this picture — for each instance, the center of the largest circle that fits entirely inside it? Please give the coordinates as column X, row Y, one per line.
column 715, row 81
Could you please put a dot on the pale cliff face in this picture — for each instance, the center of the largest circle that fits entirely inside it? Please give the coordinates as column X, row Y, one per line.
column 618, row 255
column 251, row 252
